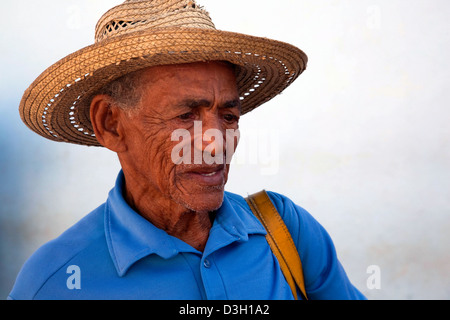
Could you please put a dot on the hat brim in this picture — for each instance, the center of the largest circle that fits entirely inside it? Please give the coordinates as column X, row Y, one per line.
column 56, row 105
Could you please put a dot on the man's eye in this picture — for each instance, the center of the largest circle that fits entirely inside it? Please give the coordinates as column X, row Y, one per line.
column 186, row 116
column 230, row 118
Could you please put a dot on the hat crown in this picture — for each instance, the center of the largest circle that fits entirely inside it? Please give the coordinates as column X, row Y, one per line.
column 139, row 15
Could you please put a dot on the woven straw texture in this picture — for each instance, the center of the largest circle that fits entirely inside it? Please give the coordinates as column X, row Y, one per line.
column 144, row 33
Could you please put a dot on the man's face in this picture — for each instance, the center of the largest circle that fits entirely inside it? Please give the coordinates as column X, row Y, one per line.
column 178, row 97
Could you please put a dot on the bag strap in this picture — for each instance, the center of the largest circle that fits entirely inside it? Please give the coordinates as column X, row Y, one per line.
column 280, row 240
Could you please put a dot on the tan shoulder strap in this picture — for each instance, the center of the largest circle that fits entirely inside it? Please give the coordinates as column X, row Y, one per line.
column 280, row 240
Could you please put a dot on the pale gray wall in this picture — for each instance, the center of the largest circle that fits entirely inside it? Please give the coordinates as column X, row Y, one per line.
column 361, row 140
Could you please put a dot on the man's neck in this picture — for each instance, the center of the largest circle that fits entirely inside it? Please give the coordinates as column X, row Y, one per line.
column 164, row 213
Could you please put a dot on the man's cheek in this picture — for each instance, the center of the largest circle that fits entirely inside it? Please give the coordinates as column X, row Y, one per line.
column 161, row 160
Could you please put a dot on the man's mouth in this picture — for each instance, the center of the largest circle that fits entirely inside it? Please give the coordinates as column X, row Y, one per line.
column 207, row 175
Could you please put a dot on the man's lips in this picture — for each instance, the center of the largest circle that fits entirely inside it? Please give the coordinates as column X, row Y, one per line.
column 209, row 175
column 206, row 169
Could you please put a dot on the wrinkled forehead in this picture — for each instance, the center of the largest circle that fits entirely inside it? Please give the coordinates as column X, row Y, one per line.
column 202, row 80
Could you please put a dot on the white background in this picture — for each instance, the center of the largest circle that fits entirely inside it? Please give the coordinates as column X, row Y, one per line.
column 360, row 140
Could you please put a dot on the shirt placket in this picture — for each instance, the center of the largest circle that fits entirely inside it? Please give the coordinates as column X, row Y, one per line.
column 213, row 283
column 212, row 280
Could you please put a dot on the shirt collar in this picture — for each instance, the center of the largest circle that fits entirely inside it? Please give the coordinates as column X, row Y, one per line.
column 131, row 237
column 234, row 222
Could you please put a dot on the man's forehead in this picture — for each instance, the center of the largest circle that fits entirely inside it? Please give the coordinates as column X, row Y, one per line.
column 189, row 67
column 192, row 78
column 180, row 86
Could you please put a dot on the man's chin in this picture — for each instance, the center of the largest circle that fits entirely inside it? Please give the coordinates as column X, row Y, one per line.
column 208, row 200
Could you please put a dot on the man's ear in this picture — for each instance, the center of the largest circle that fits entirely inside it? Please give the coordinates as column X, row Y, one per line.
column 105, row 119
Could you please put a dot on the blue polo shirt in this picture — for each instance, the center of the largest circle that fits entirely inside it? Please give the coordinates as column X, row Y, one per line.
column 114, row 253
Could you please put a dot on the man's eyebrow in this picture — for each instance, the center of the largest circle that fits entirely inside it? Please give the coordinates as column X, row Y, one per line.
column 195, row 103
column 233, row 104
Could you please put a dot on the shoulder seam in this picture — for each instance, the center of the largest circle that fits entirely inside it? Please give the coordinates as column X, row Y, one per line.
column 58, row 269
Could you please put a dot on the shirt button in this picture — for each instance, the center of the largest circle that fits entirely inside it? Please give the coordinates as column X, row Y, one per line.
column 206, row 263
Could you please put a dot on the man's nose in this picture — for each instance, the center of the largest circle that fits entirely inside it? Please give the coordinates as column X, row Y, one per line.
column 209, row 135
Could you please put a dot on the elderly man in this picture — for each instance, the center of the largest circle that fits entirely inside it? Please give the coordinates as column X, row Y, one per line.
column 168, row 229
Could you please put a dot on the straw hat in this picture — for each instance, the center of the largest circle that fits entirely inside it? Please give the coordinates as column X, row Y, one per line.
column 143, row 33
